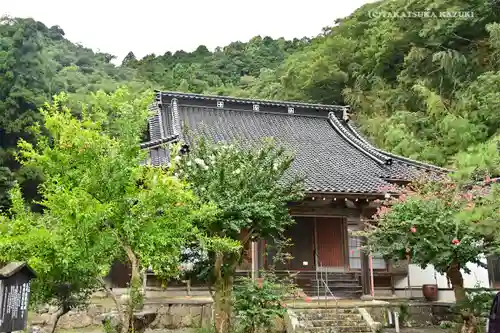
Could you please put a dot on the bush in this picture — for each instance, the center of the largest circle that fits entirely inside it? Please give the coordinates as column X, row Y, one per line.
column 257, row 303
column 478, row 302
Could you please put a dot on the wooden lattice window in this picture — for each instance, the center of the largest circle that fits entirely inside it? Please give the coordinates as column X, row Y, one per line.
column 379, row 262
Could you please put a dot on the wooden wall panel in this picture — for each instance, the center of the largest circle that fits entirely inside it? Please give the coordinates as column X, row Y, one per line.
column 302, row 236
column 302, row 246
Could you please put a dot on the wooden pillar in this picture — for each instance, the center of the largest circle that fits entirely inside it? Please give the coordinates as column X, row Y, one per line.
column 365, row 265
column 365, row 272
column 255, row 260
column 144, row 281
column 315, row 246
column 261, row 248
column 393, row 288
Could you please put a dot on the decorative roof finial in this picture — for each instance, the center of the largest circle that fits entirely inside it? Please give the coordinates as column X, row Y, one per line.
column 346, row 116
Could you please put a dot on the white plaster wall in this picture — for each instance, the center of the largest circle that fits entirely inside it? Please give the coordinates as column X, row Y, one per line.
column 477, row 278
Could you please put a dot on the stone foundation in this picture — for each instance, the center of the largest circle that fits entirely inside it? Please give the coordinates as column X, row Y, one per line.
column 170, row 314
column 415, row 314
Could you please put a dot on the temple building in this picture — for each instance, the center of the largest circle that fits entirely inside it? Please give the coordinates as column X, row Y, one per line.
column 345, row 176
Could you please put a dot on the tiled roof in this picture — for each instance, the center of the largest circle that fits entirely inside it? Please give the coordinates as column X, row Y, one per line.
column 329, row 153
column 13, row 268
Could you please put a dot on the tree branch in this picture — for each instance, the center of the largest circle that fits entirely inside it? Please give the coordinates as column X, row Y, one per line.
column 460, row 37
column 60, row 312
column 249, row 235
column 110, row 294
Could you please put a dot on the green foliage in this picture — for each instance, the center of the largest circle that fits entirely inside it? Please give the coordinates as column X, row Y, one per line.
column 441, row 224
column 225, row 69
column 221, row 245
column 477, row 302
column 37, row 62
column 67, row 269
column 144, row 208
column 251, row 189
column 6, row 183
column 247, row 185
column 258, row 303
column 100, row 204
column 435, row 224
column 404, row 313
column 420, row 87
column 446, row 225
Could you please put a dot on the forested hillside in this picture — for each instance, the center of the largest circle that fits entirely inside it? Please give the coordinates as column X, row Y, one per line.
column 223, row 71
column 37, row 62
column 422, row 87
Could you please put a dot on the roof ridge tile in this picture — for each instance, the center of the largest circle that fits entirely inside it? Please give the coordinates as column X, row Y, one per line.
column 360, row 145
column 175, row 94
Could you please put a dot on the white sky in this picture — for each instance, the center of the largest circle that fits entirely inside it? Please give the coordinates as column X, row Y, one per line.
column 155, row 26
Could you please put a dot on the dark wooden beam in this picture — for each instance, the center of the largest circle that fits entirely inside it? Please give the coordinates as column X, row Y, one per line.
column 365, row 265
column 324, row 211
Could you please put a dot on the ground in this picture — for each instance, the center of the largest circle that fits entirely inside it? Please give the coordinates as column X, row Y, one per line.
column 98, row 329
column 420, row 330
column 388, row 330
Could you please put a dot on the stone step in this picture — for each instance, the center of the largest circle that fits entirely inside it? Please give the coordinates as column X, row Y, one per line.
column 331, row 316
column 334, row 286
column 321, row 312
column 334, row 329
column 340, row 294
column 331, row 309
column 340, row 322
column 336, row 279
column 325, row 315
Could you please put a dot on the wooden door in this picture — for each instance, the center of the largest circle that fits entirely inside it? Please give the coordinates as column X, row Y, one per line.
column 330, row 237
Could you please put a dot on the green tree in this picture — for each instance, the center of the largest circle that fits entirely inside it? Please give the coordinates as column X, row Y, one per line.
column 37, row 62
column 439, row 224
column 67, row 262
column 130, row 60
column 251, row 188
column 6, row 182
column 99, row 193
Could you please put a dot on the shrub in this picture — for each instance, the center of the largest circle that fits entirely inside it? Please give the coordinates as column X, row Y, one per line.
column 257, row 303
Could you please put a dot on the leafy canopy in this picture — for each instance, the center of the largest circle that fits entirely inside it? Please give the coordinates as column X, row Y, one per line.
column 437, row 224
column 250, row 186
column 99, row 203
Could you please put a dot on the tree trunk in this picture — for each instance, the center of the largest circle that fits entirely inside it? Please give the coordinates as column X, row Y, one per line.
column 223, row 296
column 112, row 295
column 134, row 296
column 223, row 304
column 60, row 312
column 457, row 282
